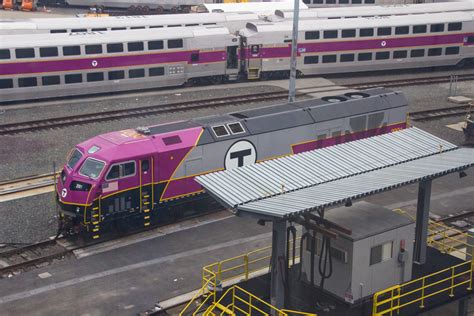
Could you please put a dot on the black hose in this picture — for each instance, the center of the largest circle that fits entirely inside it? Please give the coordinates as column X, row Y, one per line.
column 326, row 254
column 313, row 251
column 303, row 238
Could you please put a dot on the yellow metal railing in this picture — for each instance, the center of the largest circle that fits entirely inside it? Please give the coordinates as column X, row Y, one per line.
column 207, row 292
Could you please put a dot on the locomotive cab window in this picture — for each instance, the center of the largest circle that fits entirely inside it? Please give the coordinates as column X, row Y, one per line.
column 236, row 128
column 4, row 54
column 74, row 158
column 91, row 168
column 220, row 130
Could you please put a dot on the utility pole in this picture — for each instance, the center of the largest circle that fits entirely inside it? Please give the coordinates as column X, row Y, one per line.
column 294, row 52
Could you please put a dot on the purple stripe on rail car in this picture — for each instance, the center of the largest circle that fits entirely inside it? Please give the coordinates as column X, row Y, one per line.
column 108, row 62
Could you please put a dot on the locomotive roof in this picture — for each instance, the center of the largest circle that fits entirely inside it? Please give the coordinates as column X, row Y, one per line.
column 99, row 37
column 331, row 24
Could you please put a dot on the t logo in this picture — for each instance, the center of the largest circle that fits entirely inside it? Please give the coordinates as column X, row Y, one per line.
column 240, row 154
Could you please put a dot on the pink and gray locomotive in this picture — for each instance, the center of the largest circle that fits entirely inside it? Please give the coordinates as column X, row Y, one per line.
column 141, row 177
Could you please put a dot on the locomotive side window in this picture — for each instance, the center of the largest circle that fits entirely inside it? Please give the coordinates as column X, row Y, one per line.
column 455, row 26
column 329, row 59
column 27, row 82
column 114, row 172
column 6, row 83
column 4, row 54
column 311, row 59
column 48, row 51
column 128, row 169
column 348, row 33
column 116, row 75
column 135, row 46
column 115, row 48
column 136, row 73
column 121, row 170
column 417, row 53
column 311, row 35
column 74, row 158
column 25, row 53
column 382, row 31
column 400, row 30
column 220, row 130
column 366, row 32
column 154, row 45
column 50, row 80
column 419, row 29
column 92, row 168
column 436, row 28
column 400, row 54
column 74, row 78
column 330, row 34
column 435, row 52
column 358, row 123
column 236, row 128
column 95, row 76
column 346, row 58
column 364, row 56
column 452, row 50
column 175, row 43
column 156, row 71
column 71, row 50
column 93, row 49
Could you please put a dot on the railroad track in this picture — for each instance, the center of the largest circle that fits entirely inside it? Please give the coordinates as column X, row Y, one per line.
column 440, row 113
column 26, row 186
column 410, row 81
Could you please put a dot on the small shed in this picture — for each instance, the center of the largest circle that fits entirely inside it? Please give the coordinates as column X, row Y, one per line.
column 378, row 254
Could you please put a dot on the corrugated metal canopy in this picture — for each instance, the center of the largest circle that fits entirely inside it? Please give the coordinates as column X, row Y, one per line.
column 324, row 177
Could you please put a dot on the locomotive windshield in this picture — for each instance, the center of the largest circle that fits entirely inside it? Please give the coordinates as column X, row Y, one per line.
column 92, row 168
column 74, row 158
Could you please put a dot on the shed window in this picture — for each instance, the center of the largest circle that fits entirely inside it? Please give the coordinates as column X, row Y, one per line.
column 50, row 80
column 115, row 48
column 455, row 26
column 4, row 54
column 400, row 30
column 382, row 31
column 400, row 54
column 381, row 253
column 93, row 49
column 48, row 51
column 74, row 78
column 6, row 83
column 364, row 56
column 311, row 35
column 136, row 73
column 236, row 128
column 452, row 50
column 95, row 76
column 366, row 32
column 116, row 75
column 71, row 50
column 348, row 33
column 347, row 58
column 175, row 43
column 135, row 46
column 157, row 71
column 220, row 131
column 330, row 34
column 25, row 53
column 171, row 140
column 339, row 255
column 311, row 59
column 435, row 51
column 154, row 45
column 417, row 53
column 27, row 82
column 329, row 59
column 436, row 28
column 382, row 55
column 419, row 29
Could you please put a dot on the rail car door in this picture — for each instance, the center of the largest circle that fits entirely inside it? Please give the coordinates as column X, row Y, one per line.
column 254, row 61
column 146, row 188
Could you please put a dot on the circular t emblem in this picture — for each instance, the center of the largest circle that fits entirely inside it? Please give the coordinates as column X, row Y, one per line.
column 63, row 192
column 240, row 154
column 384, row 43
column 94, row 63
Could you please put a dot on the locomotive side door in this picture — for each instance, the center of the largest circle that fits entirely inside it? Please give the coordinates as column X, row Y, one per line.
column 146, row 188
column 254, row 61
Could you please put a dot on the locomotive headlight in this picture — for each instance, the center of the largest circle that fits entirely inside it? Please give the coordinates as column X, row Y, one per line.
column 77, row 210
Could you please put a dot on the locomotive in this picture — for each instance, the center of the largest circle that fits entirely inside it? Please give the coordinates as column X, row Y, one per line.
column 137, row 178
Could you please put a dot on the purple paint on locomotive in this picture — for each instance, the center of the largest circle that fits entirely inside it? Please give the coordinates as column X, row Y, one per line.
column 109, row 62
column 180, row 187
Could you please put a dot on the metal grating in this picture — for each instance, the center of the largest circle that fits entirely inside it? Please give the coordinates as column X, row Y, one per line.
column 280, row 176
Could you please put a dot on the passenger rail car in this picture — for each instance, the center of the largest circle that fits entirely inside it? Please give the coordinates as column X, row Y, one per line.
column 56, row 65
column 137, row 178
column 363, row 44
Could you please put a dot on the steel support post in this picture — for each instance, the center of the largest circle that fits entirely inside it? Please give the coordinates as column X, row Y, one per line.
column 470, row 245
column 422, row 221
column 463, row 306
column 294, row 52
column 277, row 289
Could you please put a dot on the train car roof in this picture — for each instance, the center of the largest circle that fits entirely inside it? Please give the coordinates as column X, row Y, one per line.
column 311, row 25
column 378, row 10
column 256, row 7
column 47, row 39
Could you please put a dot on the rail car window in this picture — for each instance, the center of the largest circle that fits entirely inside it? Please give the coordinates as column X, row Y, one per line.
column 171, row 140
column 344, row 1
column 330, row 34
column 318, row 1
column 417, row 53
column 452, row 50
column 95, row 76
column 194, row 24
column 136, row 73
column 74, row 78
column 175, row 43
column 156, row 71
column 27, row 82
column 57, row 31
column 369, row 1
column 102, row 29
column 382, row 31
column 419, row 29
column 6, row 83
column 358, row 123
column 435, row 52
column 78, row 30
column 93, row 49
column 330, row 1
column 311, row 35
column 195, row 57
column 137, row 27
column 436, row 28
column 50, row 80
column 356, row 1
column 116, row 75
column 311, row 59
column 91, row 168
column 236, row 128
column 154, row 45
column 135, row 46
column 329, row 59
column 364, row 56
column 375, row 120
column 156, row 26
column 220, row 130
column 400, row 30
column 115, row 48
column 366, row 32
column 71, row 50
column 455, row 26
column 346, row 58
column 400, row 54
column 5, row 54
column 25, row 53
column 119, row 28
column 306, row 1
column 348, row 33
column 48, row 51
column 382, row 55
column 74, row 158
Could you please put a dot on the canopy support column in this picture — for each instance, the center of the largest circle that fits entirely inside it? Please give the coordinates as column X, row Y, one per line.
column 277, row 292
column 422, row 221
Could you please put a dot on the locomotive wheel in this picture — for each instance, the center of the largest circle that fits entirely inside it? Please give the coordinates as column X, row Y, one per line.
column 132, row 9
column 146, row 9
column 159, row 10
column 174, row 10
column 186, row 10
column 139, row 9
